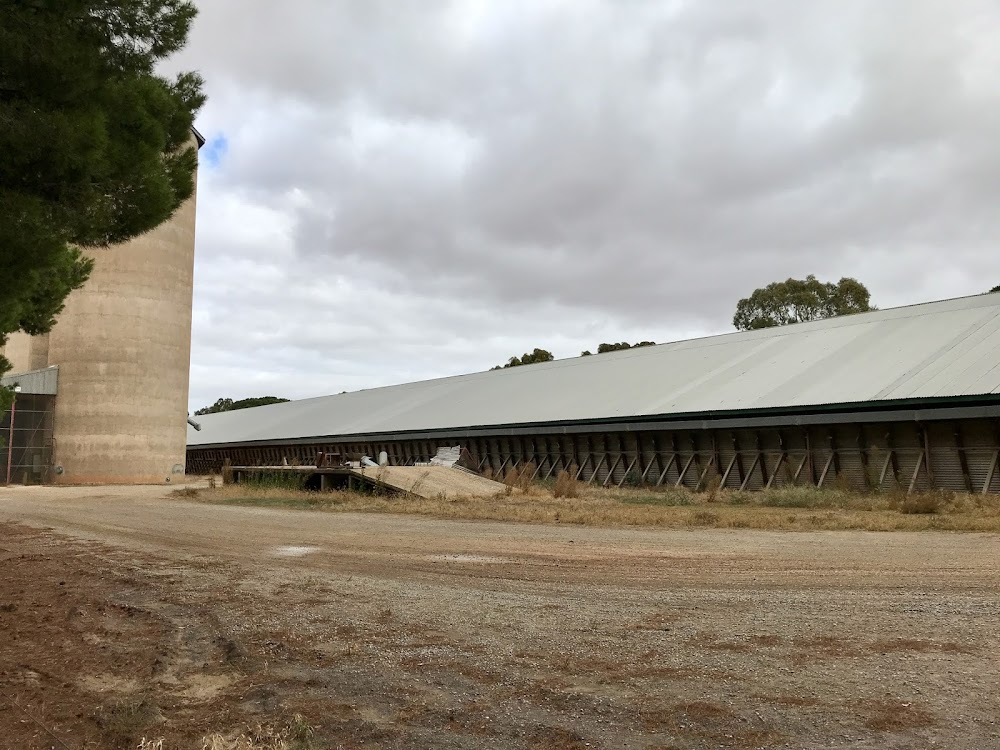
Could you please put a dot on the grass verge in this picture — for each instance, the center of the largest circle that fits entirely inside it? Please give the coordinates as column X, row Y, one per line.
column 788, row 509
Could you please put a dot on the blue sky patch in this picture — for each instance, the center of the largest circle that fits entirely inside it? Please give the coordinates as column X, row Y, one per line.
column 213, row 152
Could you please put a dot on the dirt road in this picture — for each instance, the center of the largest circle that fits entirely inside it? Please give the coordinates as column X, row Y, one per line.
column 395, row 631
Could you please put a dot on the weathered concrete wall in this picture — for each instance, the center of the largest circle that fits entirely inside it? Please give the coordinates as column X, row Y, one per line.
column 27, row 352
column 39, row 353
column 123, row 346
column 18, row 351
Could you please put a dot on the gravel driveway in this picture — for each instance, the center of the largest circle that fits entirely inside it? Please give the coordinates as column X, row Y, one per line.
column 395, row 631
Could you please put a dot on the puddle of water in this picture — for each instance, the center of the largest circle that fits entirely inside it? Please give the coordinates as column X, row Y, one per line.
column 469, row 559
column 294, row 551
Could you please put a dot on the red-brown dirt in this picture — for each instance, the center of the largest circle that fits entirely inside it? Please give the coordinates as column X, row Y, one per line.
column 127, row 614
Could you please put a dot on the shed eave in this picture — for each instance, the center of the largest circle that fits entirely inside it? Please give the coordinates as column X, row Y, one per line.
column 949, row 407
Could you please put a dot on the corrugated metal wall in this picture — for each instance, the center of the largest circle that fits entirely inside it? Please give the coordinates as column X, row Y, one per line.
column 960, row 455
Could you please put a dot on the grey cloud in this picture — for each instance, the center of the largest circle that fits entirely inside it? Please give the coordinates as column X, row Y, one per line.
column 630, row 166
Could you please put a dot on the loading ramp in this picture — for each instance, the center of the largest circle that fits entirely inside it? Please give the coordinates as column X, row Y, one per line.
column 427, row 481
column 431, row 481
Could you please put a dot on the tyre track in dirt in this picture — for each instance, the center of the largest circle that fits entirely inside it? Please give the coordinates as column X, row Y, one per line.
column 398, row 631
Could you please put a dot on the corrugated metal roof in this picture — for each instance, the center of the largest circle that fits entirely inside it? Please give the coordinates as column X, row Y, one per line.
column 934, row 350
column 44, row 381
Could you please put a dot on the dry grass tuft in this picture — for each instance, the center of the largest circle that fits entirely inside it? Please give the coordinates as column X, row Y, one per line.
column 668, row 497
column 703, row 518
column 713, row 488
column 125, row 721
column 928, row 502
column 566, row 486
column 521, row 478
column 296, row 734
column 570, row 502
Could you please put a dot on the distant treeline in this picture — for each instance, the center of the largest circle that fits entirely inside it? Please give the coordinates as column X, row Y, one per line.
column 227, row 404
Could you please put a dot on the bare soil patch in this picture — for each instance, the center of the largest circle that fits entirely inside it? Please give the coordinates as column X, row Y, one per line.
column 128, row 616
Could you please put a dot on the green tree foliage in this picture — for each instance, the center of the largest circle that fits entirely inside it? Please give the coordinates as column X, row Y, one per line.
column 227, row 404
column 603, row 348
column 538, row 355
column 796, row 301
column 94, row 146
column 994, row 290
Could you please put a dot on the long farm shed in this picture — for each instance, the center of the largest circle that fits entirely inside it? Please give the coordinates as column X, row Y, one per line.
column 907, row 397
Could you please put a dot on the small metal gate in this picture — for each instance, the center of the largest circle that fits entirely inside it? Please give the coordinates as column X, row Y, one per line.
column 26, row 450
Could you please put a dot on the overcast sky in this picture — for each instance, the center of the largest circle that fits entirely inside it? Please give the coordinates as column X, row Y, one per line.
column 396, row 190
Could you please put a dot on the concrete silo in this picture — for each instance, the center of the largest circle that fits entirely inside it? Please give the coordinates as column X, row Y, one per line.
column 123, row 349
